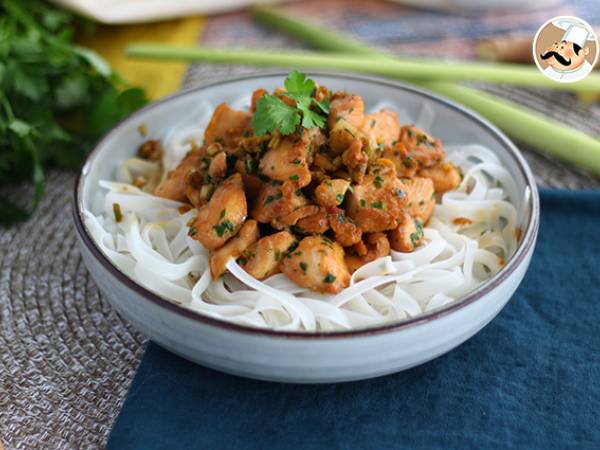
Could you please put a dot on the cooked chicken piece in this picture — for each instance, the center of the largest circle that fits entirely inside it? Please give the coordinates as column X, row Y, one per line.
column 234, row 248
column 380, row 129
column 287, row 162
column 318, row 223
column 345, row 230
column 222, row 216
column 346, row 117
column 331, row 193
column 262, row 259
column 218, row 166
column 227, row 126
column 378, row 200
column 420, row 198
column 405, row 166
column 317, row 140
column 374, row 246
column 256, row 95
column 419, row 148
column 252, row 182
column 445, row 176
column 198, row 187
column 327, row 162
column 200, row 181
column 270, row 203
column 317, row 263
column 173, row 186
column 407, row 236
column 356, row 160
column 293, row 217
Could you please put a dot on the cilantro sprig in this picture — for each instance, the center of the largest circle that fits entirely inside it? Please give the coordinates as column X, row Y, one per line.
column 56, row 98
column 273, row 114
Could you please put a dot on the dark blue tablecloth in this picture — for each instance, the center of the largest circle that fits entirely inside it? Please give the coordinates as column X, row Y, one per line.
column 530, row 379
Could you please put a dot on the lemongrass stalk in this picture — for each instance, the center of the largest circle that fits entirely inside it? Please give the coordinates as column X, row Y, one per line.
column 515, row 74
column 520, row 123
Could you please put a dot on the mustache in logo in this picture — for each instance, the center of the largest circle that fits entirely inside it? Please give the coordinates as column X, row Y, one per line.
column 559, row 58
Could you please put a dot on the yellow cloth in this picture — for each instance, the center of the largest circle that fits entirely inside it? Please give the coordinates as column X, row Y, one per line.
column 158, row 78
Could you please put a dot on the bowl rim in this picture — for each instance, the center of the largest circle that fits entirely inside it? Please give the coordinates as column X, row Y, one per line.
column 526, row 243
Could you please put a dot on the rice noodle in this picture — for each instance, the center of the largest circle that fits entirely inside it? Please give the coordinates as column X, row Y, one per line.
column 150, row 244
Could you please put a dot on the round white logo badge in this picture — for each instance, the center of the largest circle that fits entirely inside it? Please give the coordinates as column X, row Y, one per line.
column 565, row 49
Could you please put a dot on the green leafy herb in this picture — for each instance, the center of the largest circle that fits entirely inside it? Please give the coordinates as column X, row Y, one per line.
column 377, row 205
column 378, row 181
column 273, row 114
column 303, row 266
column 56, row 98
column 415, row 238
column 224, row 227
column 329, row 278
column 294, row 178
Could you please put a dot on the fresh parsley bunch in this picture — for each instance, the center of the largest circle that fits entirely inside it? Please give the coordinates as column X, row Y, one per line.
column 273, row 114
column 56, row 98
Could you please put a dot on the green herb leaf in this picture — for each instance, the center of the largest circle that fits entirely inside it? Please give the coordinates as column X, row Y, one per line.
column 297, row 85
column 329, row 278
column 272, row 114
column 224, row 227
column 56, row 98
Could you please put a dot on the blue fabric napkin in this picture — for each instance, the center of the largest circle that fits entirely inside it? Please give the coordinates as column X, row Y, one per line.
column 530, row 379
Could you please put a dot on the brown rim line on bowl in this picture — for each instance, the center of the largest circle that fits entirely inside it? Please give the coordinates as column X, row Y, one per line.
column 525, row 243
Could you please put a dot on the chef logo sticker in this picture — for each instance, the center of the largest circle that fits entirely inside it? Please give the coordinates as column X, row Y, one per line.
column 565, row 49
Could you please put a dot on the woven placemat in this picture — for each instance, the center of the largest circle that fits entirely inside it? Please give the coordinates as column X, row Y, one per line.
column 67, row 358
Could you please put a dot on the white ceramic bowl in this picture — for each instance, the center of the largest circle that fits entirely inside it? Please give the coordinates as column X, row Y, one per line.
column 304, row 357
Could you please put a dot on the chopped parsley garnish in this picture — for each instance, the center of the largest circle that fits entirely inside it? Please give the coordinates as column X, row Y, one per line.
column 273, row 114
column 297, row 162
column 294, row 177
column 207, row 178
column 377, row 205
column 415, row 238
column 339, row 198
column 408, row 162
column 378, row 181
column 223, row 212
column 329, row 278
column 303, row 266
column 271, row 198
column 224, row 227
column 363, row 203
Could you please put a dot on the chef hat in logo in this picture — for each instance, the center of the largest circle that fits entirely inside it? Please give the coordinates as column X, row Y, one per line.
column 575, row 32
